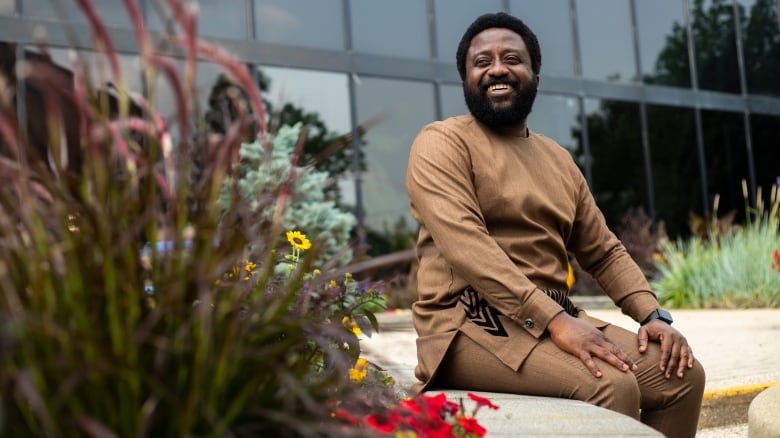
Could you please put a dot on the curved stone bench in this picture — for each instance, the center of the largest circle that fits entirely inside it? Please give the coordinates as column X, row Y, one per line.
column 764, row 414
column 522, row 415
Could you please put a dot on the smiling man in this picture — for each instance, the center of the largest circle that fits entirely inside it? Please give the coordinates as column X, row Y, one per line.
column 500, row 207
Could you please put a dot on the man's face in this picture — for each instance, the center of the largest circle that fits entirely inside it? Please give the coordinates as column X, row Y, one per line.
column 500, row 86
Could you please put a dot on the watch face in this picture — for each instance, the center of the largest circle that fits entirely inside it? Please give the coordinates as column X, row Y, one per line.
column 665, row 316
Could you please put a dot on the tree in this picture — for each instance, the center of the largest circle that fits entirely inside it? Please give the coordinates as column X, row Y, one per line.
column 614, row 129
column 324, row 149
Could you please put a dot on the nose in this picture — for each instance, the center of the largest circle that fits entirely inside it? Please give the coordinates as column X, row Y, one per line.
column 498, row 68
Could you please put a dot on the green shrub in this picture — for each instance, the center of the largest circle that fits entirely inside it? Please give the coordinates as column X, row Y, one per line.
column 728, row 269
column 132, row 301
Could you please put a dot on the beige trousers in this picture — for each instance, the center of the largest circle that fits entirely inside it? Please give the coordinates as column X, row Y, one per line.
column 670, row 406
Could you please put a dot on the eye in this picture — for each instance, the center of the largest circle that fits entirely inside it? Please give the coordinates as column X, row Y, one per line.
column 513, row 59
column 482, row 62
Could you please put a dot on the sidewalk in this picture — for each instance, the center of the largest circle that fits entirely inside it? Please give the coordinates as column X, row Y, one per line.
column 739, row 349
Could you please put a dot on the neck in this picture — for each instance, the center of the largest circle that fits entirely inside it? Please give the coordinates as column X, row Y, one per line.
column 518, row 130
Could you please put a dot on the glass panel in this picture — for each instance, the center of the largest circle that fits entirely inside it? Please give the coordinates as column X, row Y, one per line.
column 557, row 117
column 676, row 176
column 663, row 42
column 550, row 21
column 452, row 101
column 112, row 12
column 605, row 39
column 324, row 93
column 716, row 48
column 307, row 23
column 761, row 45
column 726, row 155
column 453, row 17
column 7, row 7
column 221, row 19
column 319, row 97
column 765, row 131
column 618, row 172
column 404, row 107
column 395, row 28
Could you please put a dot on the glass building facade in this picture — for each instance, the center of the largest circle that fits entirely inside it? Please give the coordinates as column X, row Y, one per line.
column 665, row 104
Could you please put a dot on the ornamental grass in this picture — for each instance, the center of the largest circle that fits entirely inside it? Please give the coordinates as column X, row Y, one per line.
column 734, row 267
column 135, row 301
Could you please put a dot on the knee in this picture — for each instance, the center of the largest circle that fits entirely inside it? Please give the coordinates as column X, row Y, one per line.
column 616, row 390
column 696, row 376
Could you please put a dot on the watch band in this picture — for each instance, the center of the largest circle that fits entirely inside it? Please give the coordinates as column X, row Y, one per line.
column 661, row 314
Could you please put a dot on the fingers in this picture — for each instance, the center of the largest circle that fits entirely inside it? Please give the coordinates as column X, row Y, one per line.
column 642, row 339
column 590, row 364
column 609, row 353
column 676, row 354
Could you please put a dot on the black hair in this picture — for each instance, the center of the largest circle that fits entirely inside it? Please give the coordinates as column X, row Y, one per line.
column 501, row 20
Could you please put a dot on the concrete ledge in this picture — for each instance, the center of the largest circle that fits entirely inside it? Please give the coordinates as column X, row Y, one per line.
column 521, row 415
column 728, row 406
column 763, row 418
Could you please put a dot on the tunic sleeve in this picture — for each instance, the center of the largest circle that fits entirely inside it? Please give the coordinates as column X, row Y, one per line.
column 602, row 255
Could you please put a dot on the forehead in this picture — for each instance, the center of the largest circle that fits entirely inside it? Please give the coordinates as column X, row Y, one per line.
column 496, row 38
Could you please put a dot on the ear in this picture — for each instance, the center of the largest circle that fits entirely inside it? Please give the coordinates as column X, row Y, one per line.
column 538, row 79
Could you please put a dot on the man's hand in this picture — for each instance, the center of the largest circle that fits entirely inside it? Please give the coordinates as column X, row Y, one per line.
column 584, row 341
column 675, row 351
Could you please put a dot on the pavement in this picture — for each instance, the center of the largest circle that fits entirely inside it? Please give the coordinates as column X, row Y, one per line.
column 739, row 349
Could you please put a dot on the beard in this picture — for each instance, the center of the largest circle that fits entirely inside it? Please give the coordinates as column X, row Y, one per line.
column 483, row 110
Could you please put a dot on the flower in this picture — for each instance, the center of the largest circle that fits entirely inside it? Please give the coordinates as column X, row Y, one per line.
column 298, row 240
column 358, row 372
column 570, row 279
column 776, row 260
column 350, row 324
column 470, row 425
column 430, row 416
column 482, row 401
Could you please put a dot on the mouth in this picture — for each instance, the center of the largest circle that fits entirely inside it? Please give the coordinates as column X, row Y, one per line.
column 493, row 88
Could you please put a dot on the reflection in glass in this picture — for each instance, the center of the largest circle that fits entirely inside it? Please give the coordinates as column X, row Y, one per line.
column 396, row 28
column 765, row 130
column 605, row 39
column 452, row 101
column 219, row 19
column 676, row 176
column 7, row 7
column 113, row 13
column 307, row 23
column 321, row 99
column 315, row 91
column 726, row 157
column 618, row 170
column 712, row 22
column 405, row 107
column 761, row 45
column 663, row 42
column 551, row 23
column 556, row 117
column 453, row 17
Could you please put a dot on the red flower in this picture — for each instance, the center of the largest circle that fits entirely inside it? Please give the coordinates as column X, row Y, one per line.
column 482, row 401
column 470, row 425
column 380, row 423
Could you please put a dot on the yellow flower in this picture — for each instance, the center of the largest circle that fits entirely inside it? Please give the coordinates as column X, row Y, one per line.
column 351, row 325
column 359, row 371
column 570, row 280
column 332, row 284
column 298, row 240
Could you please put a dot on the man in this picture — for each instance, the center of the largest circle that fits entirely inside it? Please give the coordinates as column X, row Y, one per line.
column 499, row 208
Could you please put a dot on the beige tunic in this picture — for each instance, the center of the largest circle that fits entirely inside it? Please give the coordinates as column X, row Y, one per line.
column 498, row 213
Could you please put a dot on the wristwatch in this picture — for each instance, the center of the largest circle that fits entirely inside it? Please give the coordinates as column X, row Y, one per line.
column 661, row 314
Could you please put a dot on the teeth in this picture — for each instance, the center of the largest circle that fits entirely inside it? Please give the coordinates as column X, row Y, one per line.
column 496, row 87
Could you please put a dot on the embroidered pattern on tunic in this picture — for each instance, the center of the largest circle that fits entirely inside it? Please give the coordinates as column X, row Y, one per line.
column 482, row 314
